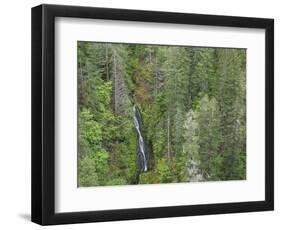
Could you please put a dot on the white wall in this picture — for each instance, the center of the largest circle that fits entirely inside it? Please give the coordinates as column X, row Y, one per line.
column 15, row 114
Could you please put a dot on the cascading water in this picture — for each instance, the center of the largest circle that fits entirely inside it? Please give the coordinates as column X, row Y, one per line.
column 142, row 147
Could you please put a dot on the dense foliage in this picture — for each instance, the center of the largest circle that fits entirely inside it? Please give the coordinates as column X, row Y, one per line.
column 192, row 102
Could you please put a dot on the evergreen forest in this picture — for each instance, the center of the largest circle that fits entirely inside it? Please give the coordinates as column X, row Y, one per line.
column 150, row 114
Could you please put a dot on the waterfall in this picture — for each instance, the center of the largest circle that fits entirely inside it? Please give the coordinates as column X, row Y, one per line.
column 142, row 147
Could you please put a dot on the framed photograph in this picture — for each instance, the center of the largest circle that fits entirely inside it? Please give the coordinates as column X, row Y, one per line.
column 141, row 114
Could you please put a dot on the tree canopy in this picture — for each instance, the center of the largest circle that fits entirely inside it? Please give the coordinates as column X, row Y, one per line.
column 192, row 103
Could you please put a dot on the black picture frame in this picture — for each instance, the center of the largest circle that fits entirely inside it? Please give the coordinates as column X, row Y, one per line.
column 43, row 114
